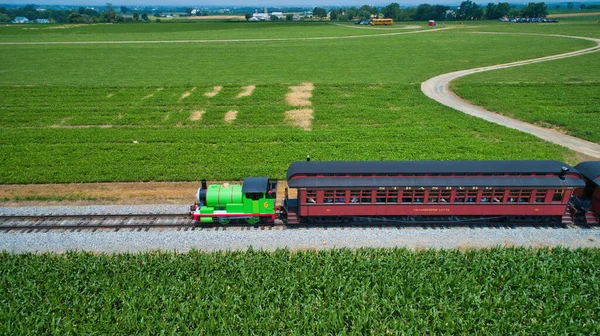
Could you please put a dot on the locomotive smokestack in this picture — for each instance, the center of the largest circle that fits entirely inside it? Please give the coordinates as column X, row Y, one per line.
column 308, row 158
column 563, row 172
column 203, row 184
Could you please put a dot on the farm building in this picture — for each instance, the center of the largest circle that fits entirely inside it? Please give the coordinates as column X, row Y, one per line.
column 20, row 19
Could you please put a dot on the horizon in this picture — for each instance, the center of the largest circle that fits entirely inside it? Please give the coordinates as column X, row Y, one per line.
column 253, row 3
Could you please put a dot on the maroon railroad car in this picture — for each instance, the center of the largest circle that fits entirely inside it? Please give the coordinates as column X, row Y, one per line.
column 591, row 193
column 412, row 191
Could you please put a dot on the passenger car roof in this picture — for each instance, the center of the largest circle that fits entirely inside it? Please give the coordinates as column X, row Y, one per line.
column 590, row 170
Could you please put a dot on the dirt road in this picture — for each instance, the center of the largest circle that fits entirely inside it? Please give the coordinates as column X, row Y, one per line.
column 438, row 88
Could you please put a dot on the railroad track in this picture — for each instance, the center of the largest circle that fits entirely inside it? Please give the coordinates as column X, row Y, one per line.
column 183, row 222
column 95, row 222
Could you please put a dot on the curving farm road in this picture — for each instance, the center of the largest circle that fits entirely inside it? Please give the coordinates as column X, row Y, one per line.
column 438, row 88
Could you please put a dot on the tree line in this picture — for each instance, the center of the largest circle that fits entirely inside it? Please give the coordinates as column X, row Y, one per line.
column 75, row 15
column 468, row 10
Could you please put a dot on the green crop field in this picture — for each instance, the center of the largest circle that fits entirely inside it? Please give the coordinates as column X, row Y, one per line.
column 146, row 108
column 368, row 291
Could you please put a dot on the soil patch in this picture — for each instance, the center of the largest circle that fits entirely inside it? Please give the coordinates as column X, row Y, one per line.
column 119, row 193
column 300, row 118
column 230, row 116
column 214, row 92
column 246, row 91
column 300, row 95
column 186, row 94
column 153, row 93
column 196, row 115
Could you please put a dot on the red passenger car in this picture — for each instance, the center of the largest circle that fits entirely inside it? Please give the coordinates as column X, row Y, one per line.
column 590, row 196
column 445, row 191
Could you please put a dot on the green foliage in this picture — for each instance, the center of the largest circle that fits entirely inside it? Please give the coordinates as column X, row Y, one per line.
column 535, row 10
column 368, row 291
column 319, row 12
column 469, row 10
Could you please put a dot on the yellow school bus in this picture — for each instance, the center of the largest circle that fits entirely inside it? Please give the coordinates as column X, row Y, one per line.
column 385, row 22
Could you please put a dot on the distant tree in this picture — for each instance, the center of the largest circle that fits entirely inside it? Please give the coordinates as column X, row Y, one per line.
column 136, row 16
column 124, row 9
column 364, row 15
column 490, row 11
column 371, row 9
column 569, row 5
column 535, row 9
column 145, row 16
column 469, row 11
column 503, row 9
column 274, row 18
column 392, row 11
column 582, row 6
column 248, row 16
column 75, row 17
column 188, row 10
column 4, row 18
column 109, row 15
column 335, row 14
column 557, row 7
column 289, row 17
column 319, row 12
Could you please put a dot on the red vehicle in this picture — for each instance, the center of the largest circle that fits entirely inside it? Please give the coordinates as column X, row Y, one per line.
column 434, row 191
column 588, row 199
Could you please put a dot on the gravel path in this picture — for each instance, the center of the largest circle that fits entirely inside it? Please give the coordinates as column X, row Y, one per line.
column 297, row 239
column 95, row 210
column 438, row 88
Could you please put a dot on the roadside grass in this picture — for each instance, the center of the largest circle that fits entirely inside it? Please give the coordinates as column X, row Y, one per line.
column 367, row 291
column 572, row 26
column 561, row 94
column 92, row 113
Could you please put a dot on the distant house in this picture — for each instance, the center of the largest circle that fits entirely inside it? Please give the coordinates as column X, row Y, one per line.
column 42, row 21
column 20, row 19
column 296, row 17
column 279, row 15
column 261, row 17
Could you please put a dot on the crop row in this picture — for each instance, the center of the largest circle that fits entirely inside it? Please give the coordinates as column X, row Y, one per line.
column 366, row 122
column 367, row 291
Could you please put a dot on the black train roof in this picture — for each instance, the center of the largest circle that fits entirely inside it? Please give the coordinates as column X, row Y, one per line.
column 590, row 170
column 382, row 167
column 255, row 185
column 432, row 167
